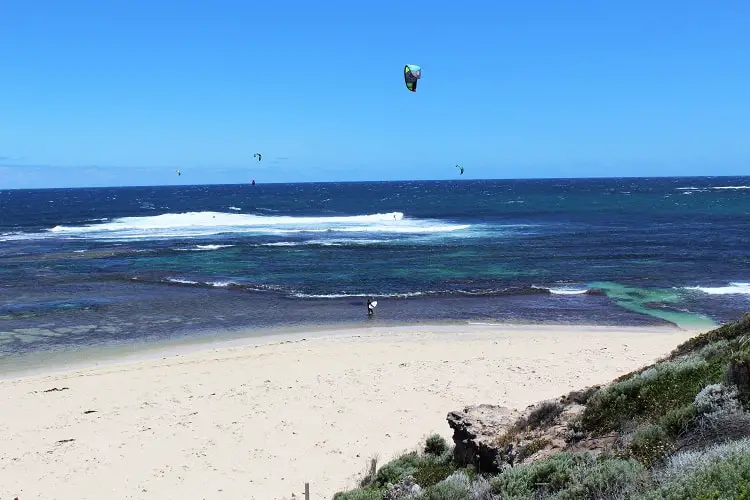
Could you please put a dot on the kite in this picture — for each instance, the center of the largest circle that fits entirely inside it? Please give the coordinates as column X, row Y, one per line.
column 179, row 173
column 460, row 169
column 257, row 155
column 412, row 73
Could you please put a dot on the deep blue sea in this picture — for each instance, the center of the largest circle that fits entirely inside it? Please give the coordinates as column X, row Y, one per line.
column 100, row 266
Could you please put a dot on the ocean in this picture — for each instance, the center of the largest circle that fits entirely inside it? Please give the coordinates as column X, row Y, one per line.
column 97, row 267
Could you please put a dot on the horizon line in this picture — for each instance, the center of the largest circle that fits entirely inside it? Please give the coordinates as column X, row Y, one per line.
column 656, row 177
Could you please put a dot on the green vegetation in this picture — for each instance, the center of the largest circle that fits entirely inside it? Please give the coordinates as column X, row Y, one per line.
column 543, row 414
column 526, row 450
column 721, row 471
column 650, row 394
column 677, row 429
column 650, row 445
column 569, row 476
column 435, row 445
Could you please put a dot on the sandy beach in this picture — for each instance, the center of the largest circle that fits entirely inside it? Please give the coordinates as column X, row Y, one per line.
column 256, row 420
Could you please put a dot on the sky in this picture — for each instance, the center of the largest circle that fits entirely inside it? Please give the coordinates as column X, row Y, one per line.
column 125, row 92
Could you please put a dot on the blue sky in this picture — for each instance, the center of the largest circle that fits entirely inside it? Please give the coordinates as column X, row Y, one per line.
column 124, row 92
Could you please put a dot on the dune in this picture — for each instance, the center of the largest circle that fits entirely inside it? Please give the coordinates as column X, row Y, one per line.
column 258, row 419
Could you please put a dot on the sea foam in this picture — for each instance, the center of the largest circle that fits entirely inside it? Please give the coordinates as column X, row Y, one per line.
column 736, row 288
column 200, row 224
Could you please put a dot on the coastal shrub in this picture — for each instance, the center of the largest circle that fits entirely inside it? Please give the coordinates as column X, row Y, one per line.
column 650, row 394
column 719, row 417
column 572, row 476
column 406, row 489
column 544, row 414
column 650, row 445
column 575, row 431
column 738, row 375
column 544, row 476
column 715, row 473
column 606, row 478
column 714, row 428
column 360, row 494
column 480, row 489
column 685, row 463
column 716, row 398
column 582, row 397
column 426, row 469
column 529, row 448
column 397, row 469
column 430, row 472
column 737, row 330
column 454, row 487
column 435, row 445
column 744, row 340
column 677, row 420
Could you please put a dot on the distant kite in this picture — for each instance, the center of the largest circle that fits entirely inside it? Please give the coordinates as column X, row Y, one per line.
column 412, row 73
column 460, row 169
column 179, row 173
column 257, row 155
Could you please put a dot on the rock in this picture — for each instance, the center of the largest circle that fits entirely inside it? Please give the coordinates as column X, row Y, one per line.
column 475, row 433
column 495, row 437
column 406, row 489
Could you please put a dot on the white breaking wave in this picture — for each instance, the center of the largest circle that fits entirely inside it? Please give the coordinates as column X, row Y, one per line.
column 211, row 247
column 182, row 281
column 706, row 188
column 203, row 248
column 324, row 243
column 221, row 284
column 217, row 284
column 356, row 295
column 284, row 244
column 568, row 291
column 18, row 236
column 737, row 288
column 201, row 224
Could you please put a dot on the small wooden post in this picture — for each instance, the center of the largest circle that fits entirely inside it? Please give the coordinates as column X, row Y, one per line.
column 307, row 491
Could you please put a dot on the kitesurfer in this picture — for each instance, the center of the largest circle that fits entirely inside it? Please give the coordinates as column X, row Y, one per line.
column 253, row 182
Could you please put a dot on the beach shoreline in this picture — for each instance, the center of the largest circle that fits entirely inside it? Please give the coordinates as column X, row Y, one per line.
column 257, row 417
column 87, row 357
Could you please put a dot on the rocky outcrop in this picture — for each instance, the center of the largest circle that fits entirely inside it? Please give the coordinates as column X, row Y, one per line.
column 475, row 433
column 495, row 437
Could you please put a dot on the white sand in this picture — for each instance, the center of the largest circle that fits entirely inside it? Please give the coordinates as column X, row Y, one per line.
column 259, row 420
